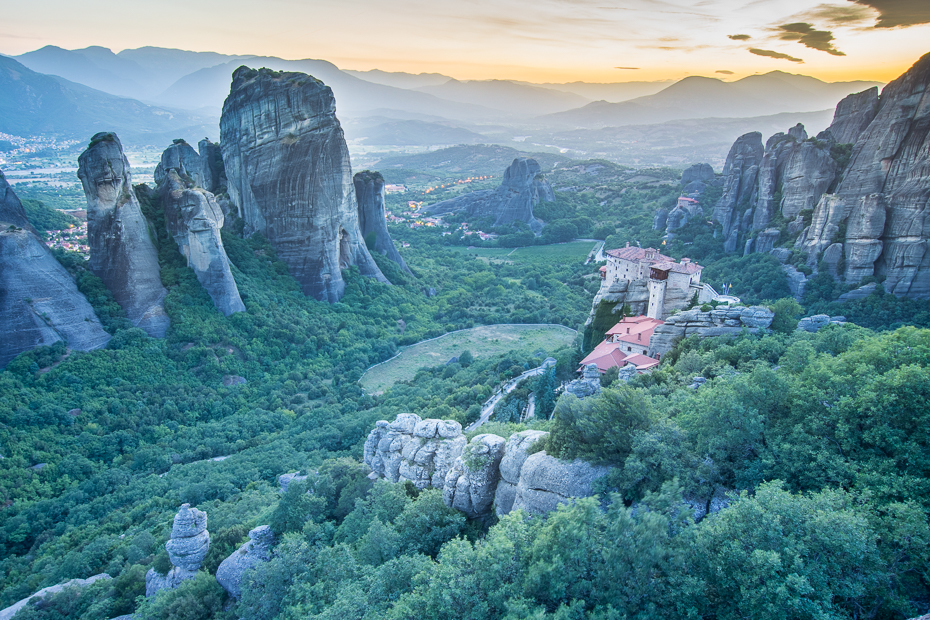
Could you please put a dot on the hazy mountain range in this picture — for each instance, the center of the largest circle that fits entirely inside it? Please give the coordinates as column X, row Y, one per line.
column 154, row 93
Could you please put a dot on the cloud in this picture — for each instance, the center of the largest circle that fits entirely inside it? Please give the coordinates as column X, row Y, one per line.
column 809, row 36
column 899, row 13
column 630, row 68
column 739, row 37
column 724, row 71
column 772, row 54
column 838, row 15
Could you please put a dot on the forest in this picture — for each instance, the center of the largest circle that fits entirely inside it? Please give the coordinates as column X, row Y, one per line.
column 792, row 483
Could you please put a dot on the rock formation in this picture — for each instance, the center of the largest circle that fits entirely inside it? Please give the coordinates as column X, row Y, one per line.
column 9, row 612
column 588, row 385
column 121, row 250
column 186, row 548
column 194, row 221
column 740, row 174
column 475, row 476
column 289, row 176
column 369, row 190
column 545, row 482
column 522, row 189
column 515, row 454
column 471, row 484
column 39, row 301
column 230, row 572
column 410, row 448
column 856, row 197
column 718, row 322
column 818, row 321
column 204, row 169
column 879, row 211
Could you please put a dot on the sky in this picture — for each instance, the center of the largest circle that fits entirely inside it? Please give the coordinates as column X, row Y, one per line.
column 538, row 41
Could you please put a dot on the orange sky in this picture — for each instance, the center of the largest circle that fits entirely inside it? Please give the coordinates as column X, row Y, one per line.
column 543, row 40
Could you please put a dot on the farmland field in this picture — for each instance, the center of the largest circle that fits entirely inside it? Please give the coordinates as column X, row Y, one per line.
column 481, row 341
column 575, row 251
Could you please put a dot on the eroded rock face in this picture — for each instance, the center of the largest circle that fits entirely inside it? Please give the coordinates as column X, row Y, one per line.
column 231, row 571
column 187, row 547
column 39, row 302
column 522, row 188
column 515, row 454
column 9, row 612
column 879, row 211
column 471, row 483
column 740, row 173
column 369, row 190
column 410, row 448
column 194, row 220
column 289, row 176
column 853, row 114
column 121, row 250
column 719, row 322
column 545, row 482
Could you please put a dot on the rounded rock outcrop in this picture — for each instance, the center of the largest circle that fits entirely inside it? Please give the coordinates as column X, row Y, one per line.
column 231, row 571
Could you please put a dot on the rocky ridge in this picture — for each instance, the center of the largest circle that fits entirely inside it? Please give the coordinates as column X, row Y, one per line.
column 855, row 198
column 488, row 472
column 369, row 191
column 194, row 220
column 289, row 176
column 121, row 250
column 522, row 188
column 39, row 301
column 718, row 322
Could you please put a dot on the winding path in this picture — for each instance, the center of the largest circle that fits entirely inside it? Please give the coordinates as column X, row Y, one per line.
column 488, row 407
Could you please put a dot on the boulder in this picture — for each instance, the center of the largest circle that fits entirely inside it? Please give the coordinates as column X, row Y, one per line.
column 285, row 480
column 290, row 179
column 122, row 253
column 813, row 323
column 409, row 448
column 471, row 482
column 156, row 582
column 545, row 482
column 369, row 191
column 516, row 451
column 231, row 571
column 187, row 547
column 860, row 293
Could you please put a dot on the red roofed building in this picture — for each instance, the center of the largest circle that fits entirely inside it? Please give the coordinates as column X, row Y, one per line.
column 627, row 342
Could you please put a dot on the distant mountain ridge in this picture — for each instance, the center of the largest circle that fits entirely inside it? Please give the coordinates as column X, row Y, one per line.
column 37, row 104
column 701, row 97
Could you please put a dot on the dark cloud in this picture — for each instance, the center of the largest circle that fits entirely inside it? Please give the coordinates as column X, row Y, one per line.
column 899, row 13
column 773, row 54
column 739, row 37
column 724, row 71
column 630, row 68
column 809, row 36
column 838, row 15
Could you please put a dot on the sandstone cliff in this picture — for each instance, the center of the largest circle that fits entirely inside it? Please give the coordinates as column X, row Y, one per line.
column 476, row 476
column 879, row 211
column 289, row 176
column 369, row 191
column 194, row 220
column 121, row 250
column 39, row 302
column 522, row 188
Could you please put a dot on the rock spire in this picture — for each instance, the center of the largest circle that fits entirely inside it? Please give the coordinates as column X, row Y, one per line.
column 289, row 176
column 369, row 190
column 121, row 250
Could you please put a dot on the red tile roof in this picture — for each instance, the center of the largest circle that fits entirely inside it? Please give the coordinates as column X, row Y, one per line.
column 606, row 355
column 634, row 330
column 688, row 268
column 642, row 362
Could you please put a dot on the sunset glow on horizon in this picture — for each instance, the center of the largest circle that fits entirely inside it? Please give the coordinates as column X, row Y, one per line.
column 541, row 41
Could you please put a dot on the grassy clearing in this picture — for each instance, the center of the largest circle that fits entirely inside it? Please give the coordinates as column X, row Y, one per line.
column 482, row 341
column 575, row 251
